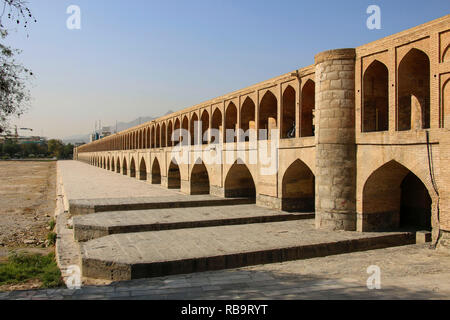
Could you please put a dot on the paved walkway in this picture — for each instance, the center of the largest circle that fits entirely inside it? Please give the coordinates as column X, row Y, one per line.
column 408, row 272
column 93, row 226
column 78, row 183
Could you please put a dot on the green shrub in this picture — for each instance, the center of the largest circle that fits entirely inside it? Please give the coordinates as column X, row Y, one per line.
column 51, row 237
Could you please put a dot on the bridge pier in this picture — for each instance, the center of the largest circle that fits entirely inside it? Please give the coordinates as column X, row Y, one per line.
column 335, row 140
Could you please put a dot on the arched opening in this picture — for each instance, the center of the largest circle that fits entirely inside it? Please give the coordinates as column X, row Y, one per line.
column 376, row 98
column 156, row 172
column 288, row 121
column 177, row 135
column 124, row 167
column 216, row 125
column 173, row 176
column 108, row 165
column 163, row 135
column 199, row 179
column 230, row 123
column 193, row 130
column 149, row 141
column 205, row 127
column 395, row 197
column 268, row 111
column 113, row 165
column 184, row 137
column 247, row 118
column 105, row 163
column 169, row 134
column 298, row 188
column 153, row 137
column 414, row 91
column 142, row 170
column 446, row 105
column 132, row 168
column 118, row 165
column 308, row 106
column 239, row 182
column 158, row 136
column 446, row 54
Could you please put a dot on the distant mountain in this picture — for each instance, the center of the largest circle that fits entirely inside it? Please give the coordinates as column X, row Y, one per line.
column 120, row 127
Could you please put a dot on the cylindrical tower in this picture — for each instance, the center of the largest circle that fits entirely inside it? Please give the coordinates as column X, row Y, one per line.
column 335, row 140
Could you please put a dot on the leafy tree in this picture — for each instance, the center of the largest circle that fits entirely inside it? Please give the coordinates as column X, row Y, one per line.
column 14, row 95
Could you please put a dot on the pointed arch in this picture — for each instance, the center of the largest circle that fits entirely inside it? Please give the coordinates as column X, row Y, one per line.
column 298, row 188
column 173, row 176
column 132, row 168
column 163, row 135
column 169, row 134
column 158, row 136
column 124, row 167
column 156, row 172
column 205, row 127
column 307, row 128
column 446, row 104
column 216, row 126
column 176, row 132
column 231, row 123
column 184, row 134
column 414, row 91
column 268, row 114
column 239, row 182
column 199, row 181
column 142, row 170
column 375, row 113
column 193, row 129
column 118, row 166
column 393, row 196
column 113, row 165
column 247, row 118
column 288, row 121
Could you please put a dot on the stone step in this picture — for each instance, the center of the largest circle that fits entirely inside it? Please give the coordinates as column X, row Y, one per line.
column 97, row 225
column 86, row 206
column 160, row 253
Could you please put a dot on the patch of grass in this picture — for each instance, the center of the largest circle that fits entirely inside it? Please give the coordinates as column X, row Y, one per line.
column 51, row 237
column 24, row 267
column 52, row 224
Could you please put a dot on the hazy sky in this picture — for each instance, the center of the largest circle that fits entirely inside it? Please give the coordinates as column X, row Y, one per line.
column 142, row 57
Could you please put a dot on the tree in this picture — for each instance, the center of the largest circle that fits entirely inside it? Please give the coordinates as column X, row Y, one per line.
column 14, row 95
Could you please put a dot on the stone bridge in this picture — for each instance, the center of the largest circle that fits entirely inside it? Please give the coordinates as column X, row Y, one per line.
column 361, row 137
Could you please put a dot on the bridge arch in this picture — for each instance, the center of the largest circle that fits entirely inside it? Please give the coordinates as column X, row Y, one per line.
column 156, row 172
column 247, row 118
column 216, row 124
column 289, row 122
column 414, row 91
column 113, row 165
column 308, row 106
column 124, row 167
column 298, row 188
column 132, row 168
column 205, row 127
column 239, row 182
column 375, row 113
column 230, row 122
column 173, row 176
column 142, row 170
column 393, row 196
column 268, row 114
column 199, row 182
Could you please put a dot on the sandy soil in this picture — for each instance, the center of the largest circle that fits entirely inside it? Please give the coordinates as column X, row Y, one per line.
column 27, row 203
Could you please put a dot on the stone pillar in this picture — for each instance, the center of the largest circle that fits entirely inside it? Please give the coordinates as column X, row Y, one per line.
column 335, row 140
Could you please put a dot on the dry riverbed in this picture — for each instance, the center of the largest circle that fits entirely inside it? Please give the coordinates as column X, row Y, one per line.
column 27, row 205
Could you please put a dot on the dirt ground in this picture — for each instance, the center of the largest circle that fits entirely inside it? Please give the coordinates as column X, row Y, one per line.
column 27, row 203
